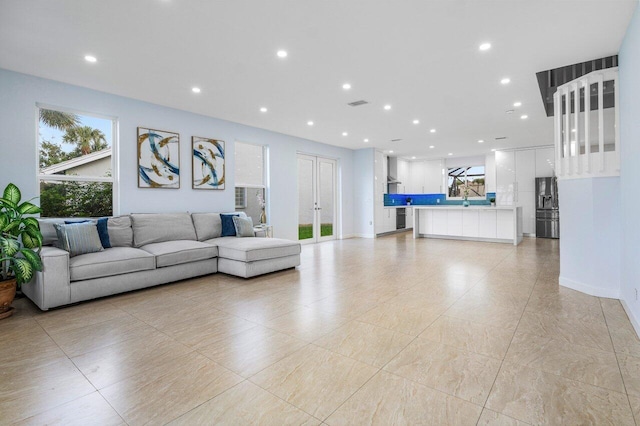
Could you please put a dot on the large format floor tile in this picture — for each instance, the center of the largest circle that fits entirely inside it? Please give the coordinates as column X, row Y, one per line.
column 388, row 399
column 537, row 397
column 457, row 372
column 315, row 380
column 245, row 404
column 386, row 331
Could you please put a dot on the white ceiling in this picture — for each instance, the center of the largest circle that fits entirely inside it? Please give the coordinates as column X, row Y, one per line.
column 419, row 56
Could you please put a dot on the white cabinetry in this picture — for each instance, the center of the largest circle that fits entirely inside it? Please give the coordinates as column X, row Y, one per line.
column 389, row 220
column 403, row 177
column 379, row 191
column 425, row 177
column 439, row 222
column 470, row 222
column 409, row 218
column 433, row 177
column 487, row 224
column 454, row 222
column 515, row 183
column 504, row 225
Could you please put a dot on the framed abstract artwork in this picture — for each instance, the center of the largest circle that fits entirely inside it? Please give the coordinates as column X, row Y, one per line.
column 158, row 159
column 208, row 163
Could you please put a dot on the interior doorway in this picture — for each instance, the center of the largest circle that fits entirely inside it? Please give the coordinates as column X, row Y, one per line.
column 317, row 198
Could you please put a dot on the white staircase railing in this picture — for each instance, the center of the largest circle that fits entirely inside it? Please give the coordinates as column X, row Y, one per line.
column 587, row 137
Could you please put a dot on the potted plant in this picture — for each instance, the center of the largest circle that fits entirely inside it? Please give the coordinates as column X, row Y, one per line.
column 492, row 201
column 20, row 244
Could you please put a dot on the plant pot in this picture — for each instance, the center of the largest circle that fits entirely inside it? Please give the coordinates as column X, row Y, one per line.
column 7, row 293
column 465, row 203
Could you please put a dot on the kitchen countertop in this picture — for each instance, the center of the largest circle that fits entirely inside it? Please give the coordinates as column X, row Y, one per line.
column 456, row 207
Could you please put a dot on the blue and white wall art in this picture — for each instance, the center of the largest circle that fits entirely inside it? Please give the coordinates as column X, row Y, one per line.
column 208, row 163
column 158, row 159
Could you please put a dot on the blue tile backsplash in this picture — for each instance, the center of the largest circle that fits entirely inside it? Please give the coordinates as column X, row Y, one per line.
column 431, row 199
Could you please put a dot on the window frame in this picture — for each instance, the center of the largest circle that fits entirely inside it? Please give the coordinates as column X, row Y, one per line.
column 467, row 167
column 115, row 171
column 265, row 176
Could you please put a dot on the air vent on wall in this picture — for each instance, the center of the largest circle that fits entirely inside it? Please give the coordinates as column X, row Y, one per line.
column 357, row 103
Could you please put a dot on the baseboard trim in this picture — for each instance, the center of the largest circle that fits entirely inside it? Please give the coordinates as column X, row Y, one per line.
column 635, row 322
column 364, row 235
column 593, row 291
column 346, row 237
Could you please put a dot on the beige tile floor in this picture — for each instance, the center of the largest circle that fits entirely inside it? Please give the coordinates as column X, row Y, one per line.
column 385, row 331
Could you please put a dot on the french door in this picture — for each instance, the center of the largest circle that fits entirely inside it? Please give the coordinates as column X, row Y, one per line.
column 317, row 206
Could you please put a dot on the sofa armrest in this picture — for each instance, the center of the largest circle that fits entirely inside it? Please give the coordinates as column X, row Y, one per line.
column 51, row 286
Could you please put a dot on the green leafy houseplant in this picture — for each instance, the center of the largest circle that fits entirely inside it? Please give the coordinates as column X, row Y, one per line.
column 20, row 238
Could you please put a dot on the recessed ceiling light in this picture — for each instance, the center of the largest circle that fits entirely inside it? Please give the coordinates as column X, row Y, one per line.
column 366, row 140
column 390, row 151
column 505, row 80
column 432, row 130
column 413, row 158
column 387, row 107
column 524, row 117
column 480, row 141
column 517, row 104
column 416, row 121
column 90, row 58
column 263, row 109
column 345, row 134
column 195, row 90
column 451, row 153
column 346, row 86
column 485, row 46
column 282, row 54
column 493, row 150
column 431, row 146
column 309, row 123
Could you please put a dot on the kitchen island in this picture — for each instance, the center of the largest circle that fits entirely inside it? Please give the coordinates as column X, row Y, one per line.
column 500, row 224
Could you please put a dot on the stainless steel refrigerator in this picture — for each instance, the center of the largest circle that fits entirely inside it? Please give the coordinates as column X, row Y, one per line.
column 547, row 212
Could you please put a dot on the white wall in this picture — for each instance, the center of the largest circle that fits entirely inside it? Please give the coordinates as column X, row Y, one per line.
column 630, row 165
column 364, row 181
column 19, row 94
column 590, row 235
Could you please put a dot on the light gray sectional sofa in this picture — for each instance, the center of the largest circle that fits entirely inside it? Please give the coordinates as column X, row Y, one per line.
column 152, row 249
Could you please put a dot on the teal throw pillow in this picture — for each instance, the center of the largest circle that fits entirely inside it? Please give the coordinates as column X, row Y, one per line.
column 78, row 238
column 244, row 226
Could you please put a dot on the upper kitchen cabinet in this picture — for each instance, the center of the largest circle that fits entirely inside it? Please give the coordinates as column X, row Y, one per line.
column 403, row 177
column 525, row 170
column 433, row 177
column 505, row 177
column 416, row 178
column 545, row 162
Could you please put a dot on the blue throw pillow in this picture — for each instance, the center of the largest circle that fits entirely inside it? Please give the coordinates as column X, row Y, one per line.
column 103, row 232
column 228, row 227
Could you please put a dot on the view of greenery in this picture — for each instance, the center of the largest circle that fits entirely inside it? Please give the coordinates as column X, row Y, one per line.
column 306, row 231
column 72, row 199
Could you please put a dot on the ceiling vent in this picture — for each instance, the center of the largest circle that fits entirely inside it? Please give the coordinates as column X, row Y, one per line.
column 357, row 103
column 550, row 80
column 396, row 140
column 499, row 138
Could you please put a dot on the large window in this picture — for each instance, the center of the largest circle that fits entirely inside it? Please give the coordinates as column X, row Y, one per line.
column 469, row 178
column 76, row 164
column 251, row 181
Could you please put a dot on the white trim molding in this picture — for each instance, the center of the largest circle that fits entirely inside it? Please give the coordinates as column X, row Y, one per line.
column 590, row 290
column 635, row 322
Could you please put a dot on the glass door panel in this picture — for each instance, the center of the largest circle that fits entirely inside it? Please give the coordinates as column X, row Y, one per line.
column 326, row 197
column 306, row 197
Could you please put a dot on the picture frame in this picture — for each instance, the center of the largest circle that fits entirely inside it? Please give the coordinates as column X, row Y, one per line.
column 158, row 158
column 208, row 163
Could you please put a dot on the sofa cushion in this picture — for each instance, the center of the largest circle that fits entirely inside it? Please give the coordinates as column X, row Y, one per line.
column 78, row 238
column 120, row 232
column 161, row 227
column 254, row 248
column 48, row 231
column 244, row 226
column 112, row 261
column 228, row 228
column 208, row 225
column 101, row 224
column 180, row 251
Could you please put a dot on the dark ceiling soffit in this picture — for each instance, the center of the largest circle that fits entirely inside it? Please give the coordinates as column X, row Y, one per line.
column 550, row 80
